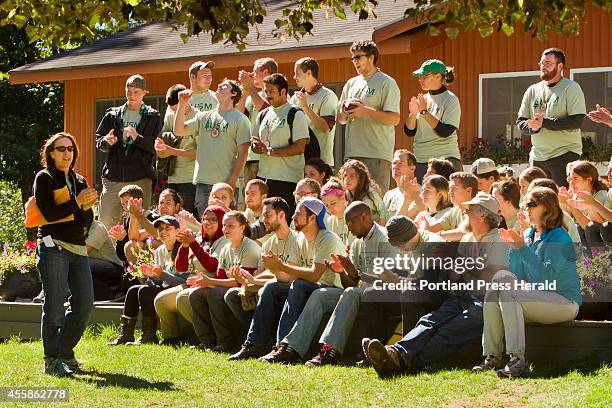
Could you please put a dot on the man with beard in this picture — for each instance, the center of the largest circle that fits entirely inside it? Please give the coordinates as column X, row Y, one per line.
column 551, row 113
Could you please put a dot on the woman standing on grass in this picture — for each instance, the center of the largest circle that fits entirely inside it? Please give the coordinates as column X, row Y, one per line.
column 65, row 202
column 545, row 255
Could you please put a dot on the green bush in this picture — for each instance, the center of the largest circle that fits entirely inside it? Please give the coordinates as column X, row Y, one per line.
column 12, row 225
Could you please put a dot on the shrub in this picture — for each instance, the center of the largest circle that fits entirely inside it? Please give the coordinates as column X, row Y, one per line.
column 12, row 224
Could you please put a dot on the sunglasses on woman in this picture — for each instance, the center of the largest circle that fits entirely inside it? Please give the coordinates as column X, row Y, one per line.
column 62, row 149
column 531, row 204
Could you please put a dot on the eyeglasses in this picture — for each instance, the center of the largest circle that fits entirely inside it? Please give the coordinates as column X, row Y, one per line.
column 209, row 220
column 300, row 194
column 355, row 58
column 546, row 64
column 62, row 149
column 531, row 204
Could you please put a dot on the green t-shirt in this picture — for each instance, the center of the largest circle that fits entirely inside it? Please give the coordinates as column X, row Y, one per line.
column 163, row 258
column 204, row 101
column 364, row 251
column 246, row 255
column 130, row 118
column 431, row 218
column 249, row 106
column 318, row 251
column 451, row 219
column 365, row 137
column 562, row 100
column 324, row 103
column 427, row 143
column 393, row 201
column 184, row 167
column 376, row 204
column 274, row 130
column 214, row 250
column 286, row 249
column 102, row 245
column 338, row 226
column 218, row 136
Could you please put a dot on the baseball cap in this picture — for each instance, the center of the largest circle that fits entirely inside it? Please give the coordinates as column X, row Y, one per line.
column 400, row 229
column 166, row 219
column 199, row 65
column 483, row 165
column 486, row 200
column 137, row 81
column 317, row 207
column 432, row 66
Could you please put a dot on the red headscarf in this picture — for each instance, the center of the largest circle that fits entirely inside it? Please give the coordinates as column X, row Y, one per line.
column 219, row 212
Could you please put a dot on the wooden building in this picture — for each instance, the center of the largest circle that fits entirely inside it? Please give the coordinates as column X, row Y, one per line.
column 492, row 73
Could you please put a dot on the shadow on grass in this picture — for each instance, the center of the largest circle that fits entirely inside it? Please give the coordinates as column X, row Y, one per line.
column 101, row 379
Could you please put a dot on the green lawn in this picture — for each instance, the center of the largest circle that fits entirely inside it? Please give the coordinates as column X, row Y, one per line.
column 160, row 376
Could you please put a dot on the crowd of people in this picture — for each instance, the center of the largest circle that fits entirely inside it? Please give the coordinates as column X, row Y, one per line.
column 312, row 242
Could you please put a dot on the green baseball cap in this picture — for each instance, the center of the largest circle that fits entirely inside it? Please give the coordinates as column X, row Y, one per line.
column 432, row 66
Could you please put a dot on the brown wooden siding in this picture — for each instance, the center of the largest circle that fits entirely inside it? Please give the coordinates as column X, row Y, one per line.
column 469, row 54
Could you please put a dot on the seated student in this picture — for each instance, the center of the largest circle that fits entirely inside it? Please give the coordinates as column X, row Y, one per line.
column 306, row 187
column 583, row 177
column 371, row 243
column 199, row 255
column 315, row 246
column 441, row 167
column 106, row 267
column 544, row 254
column 506, row 173
column 212, row 319
column 403, row 167
column 334, row 198
column 435, row 199
column 222, row 194
column 568, row 222
column 255, row 192
column 487, row 173
column 119, row 232
column 360, row 186
column 141, row 225
column 508, row 193
column 528, row 175
column 316, row 169
column 282, row 243
column 159, row 276
column 462, row 187
column 459, row 319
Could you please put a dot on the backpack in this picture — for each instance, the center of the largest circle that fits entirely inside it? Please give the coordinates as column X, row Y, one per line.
column 312, row 149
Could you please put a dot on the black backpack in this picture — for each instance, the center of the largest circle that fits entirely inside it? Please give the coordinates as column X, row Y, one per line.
column 312, row 148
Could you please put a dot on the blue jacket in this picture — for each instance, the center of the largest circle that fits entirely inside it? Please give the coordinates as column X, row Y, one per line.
column 549, row 258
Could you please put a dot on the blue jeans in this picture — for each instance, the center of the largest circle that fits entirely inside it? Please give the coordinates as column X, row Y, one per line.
column 271, row 300
column 61, row 270
column 442, row 332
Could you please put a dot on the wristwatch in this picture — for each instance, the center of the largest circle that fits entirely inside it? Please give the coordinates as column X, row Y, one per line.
column 424, row 111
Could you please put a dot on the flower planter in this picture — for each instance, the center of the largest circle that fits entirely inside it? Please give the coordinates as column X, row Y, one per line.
column 20, row 285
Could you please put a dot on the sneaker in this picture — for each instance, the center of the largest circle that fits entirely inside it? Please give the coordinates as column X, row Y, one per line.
column 327, row 356
column 57, row 368
column 73, row 364
column 385, row 359
column 516, row 367
column 246, row 352
column 284, row 354
column 491, row 362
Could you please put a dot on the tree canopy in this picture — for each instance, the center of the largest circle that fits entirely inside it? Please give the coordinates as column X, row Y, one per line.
column 59, row 24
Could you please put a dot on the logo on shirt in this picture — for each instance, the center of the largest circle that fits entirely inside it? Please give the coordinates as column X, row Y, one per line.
column 274, row 123
column 203, row 106
column 370, row 92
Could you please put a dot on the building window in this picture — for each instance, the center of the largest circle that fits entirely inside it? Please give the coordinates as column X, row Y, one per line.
column 156, row 101
column 596, row 84
column 500, row 100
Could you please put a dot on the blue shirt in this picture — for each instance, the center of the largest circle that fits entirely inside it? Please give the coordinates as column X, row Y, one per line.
column 549, row 258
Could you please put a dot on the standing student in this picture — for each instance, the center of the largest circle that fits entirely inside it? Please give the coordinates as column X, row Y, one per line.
column 65, row 201
column 434, row 117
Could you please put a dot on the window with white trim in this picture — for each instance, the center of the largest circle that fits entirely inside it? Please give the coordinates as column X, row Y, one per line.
column 499, row 102
column 596, row 84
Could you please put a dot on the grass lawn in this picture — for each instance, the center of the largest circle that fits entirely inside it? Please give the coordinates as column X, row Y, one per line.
column 160, row 376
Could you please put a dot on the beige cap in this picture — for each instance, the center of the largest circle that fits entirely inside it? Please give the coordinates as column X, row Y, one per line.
column 486, row 200
column 482, row 166
column 200, row 65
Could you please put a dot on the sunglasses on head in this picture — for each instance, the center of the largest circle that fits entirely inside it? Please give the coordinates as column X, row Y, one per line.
column 64, row 148
column 531, row 204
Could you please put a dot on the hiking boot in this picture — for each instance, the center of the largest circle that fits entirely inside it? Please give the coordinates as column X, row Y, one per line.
column 284, row 355
column 149, row 332
column 126, row 331
column 327, row 356
column 385, row 359
column 491, row 362
column 57, row 368
column 73, row 364
column 516, row 367
column 246, row 352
